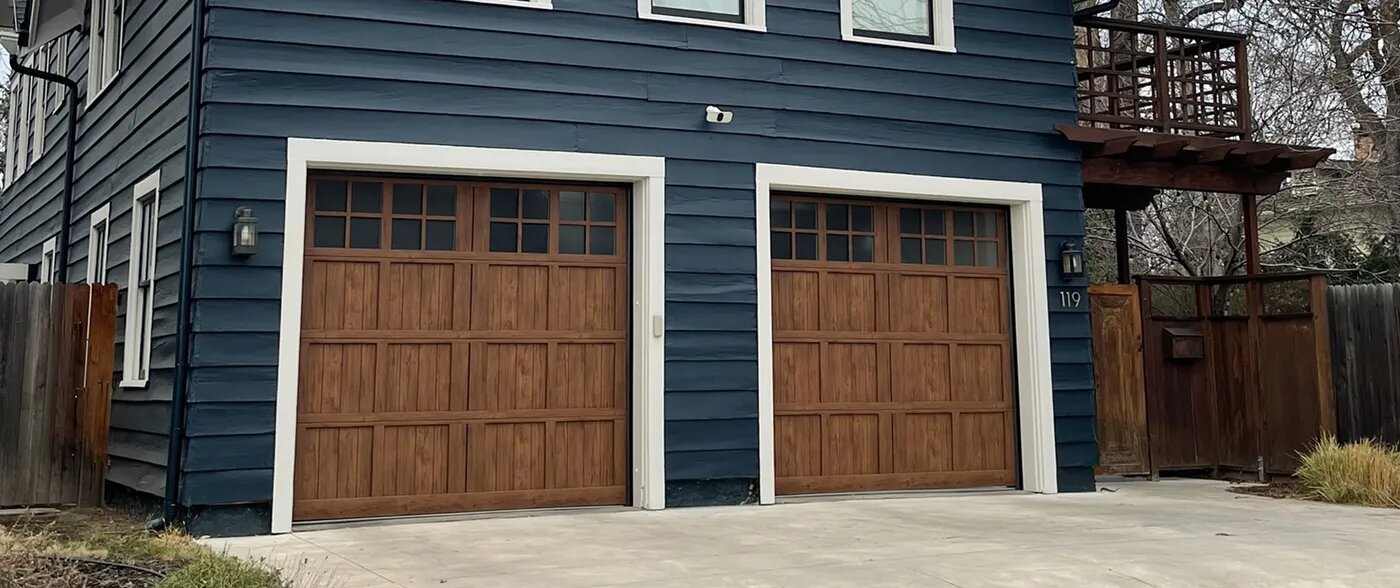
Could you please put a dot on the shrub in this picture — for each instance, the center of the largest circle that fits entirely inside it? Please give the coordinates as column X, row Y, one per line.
column 1365, row 472
column 211, row 570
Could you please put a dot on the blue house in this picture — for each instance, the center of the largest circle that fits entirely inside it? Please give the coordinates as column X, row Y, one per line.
column 438, row 256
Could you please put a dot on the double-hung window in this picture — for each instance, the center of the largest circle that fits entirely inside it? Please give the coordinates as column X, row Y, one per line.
column 48, row 264
column 141, row 281
column 25, row 132
column 742, row 14
column 99, row 234
column 104, row 45
column 924, row 24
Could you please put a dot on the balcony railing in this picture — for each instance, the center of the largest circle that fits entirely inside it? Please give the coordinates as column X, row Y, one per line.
column 1154, row 78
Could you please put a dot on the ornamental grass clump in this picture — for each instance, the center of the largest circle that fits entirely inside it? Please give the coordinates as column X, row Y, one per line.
column 1364, row 472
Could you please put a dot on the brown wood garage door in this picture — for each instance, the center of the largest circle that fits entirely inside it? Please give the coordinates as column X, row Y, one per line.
column 463, row 348
column 892, row 346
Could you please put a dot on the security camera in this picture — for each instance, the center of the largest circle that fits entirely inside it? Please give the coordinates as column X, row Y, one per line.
column 715, row 115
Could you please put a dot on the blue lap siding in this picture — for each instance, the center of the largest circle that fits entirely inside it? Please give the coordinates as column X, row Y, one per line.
column 136, row 127
column 589, row 76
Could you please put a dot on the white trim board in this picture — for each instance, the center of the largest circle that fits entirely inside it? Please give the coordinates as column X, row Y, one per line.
column 1030, row 301
column 647, row 177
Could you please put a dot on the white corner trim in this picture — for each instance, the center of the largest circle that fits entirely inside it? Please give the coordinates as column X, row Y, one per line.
column 941, row 21
column 755, row 16
column 544, row 4
column 647, row 177
column 1030, row 302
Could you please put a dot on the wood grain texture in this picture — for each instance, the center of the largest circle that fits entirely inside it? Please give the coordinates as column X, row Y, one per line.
column 891, row 375
column 1364, row 334
column 460, row 376
column 56, row 354
column 1118, row 385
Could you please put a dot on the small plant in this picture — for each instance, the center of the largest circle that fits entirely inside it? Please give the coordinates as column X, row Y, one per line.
column 1364, row 472
column 211, row 570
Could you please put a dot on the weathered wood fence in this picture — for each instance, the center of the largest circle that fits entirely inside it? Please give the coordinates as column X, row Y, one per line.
column 1366, row 360
column 56, row 353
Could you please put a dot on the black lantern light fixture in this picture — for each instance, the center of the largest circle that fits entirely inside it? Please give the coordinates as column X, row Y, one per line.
column 245, row 232
column 1071, row 260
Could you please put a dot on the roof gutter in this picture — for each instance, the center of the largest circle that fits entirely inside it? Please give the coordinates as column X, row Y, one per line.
column 184, row 325
column 69, row 147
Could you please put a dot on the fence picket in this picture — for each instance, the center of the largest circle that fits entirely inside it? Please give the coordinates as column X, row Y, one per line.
column 1366, row 360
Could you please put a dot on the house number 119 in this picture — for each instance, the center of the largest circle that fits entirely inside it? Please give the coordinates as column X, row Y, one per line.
column 1071, row 299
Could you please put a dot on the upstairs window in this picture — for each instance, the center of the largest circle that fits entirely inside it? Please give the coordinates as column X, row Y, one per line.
column 25, row 132
column 104, row 45
column 923, row 24
column 742, row 14
column 99, row 234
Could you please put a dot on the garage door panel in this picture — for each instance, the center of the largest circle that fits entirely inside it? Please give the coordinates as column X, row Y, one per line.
column 585, row 375
column 337, row 378
column 850, row 372
column 852, row 444
column 421, row 296
column 419, row 377
column 801, row 293
column 506, row 456
column 511, row 298
column 926, row 443
column 413, row 460
column 334, row 462
column 919, row 304
column 908, row 348
column 588, row 299
column 848, row 302
column 798, row 445
column 341, row 295
column 445, row 368
column 977, row 305
column 982, row 441
column 979, row 373
column 514, row 377
column 797, row 371
column 583, row 454
column 925, row 373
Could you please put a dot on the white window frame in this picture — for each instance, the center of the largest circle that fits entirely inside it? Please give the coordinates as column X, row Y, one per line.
column 940, row 24
column 755, row 16
column 48, row 263
column 1030, row 299
column 136, row 352
column 99, row 237
column 38, row 106
column 543, row 4
column 108, row 52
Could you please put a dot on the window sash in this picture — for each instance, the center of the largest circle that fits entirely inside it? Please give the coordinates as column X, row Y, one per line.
column 927, row 23
column 739, row 16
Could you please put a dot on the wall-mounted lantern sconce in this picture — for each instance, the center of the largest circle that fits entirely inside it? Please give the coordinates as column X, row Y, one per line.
column 1071, row 261
column 245, row 232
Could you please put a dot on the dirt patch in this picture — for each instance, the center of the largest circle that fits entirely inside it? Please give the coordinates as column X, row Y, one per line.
column 1281, row 488
column 100, row 548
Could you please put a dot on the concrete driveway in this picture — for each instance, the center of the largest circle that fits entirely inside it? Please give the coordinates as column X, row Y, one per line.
column 1171, row 533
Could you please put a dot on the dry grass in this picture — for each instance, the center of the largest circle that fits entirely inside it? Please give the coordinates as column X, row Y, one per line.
column 1364, row 472
column 107, row 549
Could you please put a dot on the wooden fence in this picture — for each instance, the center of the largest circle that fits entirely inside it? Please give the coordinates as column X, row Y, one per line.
column 56, row 353
column 1366, row 360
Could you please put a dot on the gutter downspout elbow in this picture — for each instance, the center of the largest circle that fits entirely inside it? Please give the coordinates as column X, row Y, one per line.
column 69, row 148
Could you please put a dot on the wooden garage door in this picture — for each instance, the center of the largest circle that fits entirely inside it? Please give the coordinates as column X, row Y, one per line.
column 892, row 346
column 463, row 348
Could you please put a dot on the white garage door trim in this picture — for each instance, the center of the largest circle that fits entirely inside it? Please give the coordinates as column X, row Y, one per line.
column 647, row 176
column 1034, row 392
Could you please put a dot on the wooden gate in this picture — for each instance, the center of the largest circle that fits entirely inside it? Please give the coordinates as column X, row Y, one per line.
column 56, row 352
column 1237, row 370
column 1117, row 345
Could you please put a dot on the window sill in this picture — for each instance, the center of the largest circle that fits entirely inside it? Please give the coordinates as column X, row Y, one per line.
column 742, row 26
column 518, row 3
column 94, row 96
column 944, row 48
column 133, row 383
